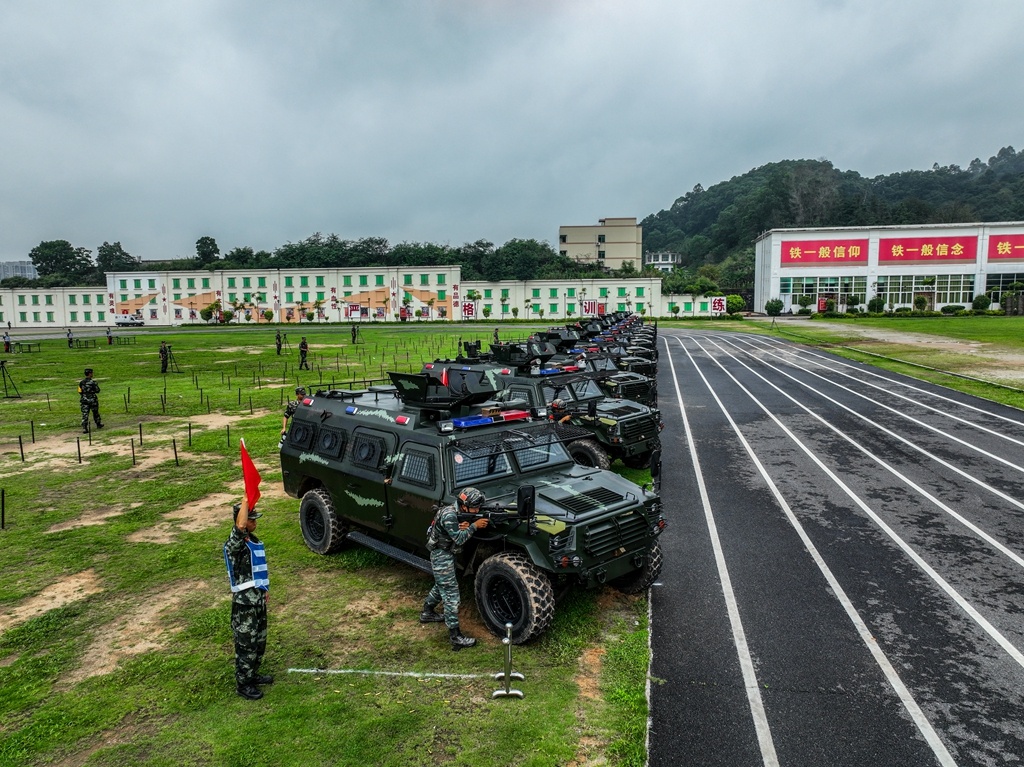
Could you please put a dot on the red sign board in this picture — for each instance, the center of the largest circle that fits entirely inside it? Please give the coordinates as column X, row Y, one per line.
column 1006, row 247
column 954, row 249
column 824, row 252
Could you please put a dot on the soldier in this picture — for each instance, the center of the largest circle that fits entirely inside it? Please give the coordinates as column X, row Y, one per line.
column 444, row 541
column 7, row 342
column 496, row 336
column 110, row 338
column 303, row 351
column 289, row 411
column 165, row 353
column 277, row 343
column 88, row 397
column 355, row 330
column 71, row 339
column 559, row 411
column 246, row 560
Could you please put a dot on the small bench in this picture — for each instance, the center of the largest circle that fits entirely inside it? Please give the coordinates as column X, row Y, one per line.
column 85, row 343
column 26, row 346
column 119, row 340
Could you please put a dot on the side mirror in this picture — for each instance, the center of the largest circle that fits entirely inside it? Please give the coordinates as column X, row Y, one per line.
column 656, row 470
column 525, row 501
column 592, row 408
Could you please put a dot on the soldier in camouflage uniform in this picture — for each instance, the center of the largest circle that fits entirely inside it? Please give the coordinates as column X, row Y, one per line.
column 444, row 541
column 289, row 411
column 165, row 354
column 303, row 351
column 89, row 398
column 246, row 561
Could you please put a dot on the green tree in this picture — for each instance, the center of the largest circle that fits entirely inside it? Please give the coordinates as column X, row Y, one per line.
column 60, row 258
column 734, row 304
column 114, row 258
column 207, row 251
column 773, row 307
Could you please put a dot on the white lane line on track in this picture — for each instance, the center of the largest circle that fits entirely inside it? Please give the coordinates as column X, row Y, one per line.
column 824, row 361
column 941, row 582
column 942, row 755
column 750, row 683
column 999, row 546
column 910, row 443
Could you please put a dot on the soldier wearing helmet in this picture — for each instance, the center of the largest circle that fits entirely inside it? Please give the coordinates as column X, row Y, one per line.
column 445, row 540
column 289, row 411
column 558, row 411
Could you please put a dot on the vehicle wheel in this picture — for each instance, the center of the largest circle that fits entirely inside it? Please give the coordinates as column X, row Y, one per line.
column 511, row 589
column 586, row 452
column 322, row 529
column 639, row 461
column 641, row 580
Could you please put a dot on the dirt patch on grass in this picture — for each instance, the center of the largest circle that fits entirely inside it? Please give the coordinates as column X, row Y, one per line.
column 91, row 518
column 71, row 589
column 143, row 629
column 192, row 517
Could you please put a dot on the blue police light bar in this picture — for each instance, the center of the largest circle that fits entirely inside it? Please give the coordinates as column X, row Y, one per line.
column 549, row 371
column 467, row 422
column 350, row 410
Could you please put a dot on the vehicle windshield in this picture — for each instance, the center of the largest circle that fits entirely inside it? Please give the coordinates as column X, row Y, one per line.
column 538, row 451
column 532, row 450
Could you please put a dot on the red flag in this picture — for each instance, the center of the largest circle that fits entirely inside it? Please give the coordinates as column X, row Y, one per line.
column 444, row 377
column 251, row 476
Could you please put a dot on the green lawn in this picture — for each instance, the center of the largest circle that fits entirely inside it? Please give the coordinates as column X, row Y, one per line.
column 133, row 663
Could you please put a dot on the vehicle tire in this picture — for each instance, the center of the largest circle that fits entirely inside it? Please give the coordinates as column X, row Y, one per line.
column 641, row 580
column 586, row 452
column 322, row 529
column 511, row 589
column 639, row 461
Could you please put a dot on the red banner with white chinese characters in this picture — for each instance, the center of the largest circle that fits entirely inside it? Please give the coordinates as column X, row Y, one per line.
column 1006, row 247
column 954, row 249
column 824, row 252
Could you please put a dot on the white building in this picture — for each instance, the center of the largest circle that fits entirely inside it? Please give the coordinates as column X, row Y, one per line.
column 610, row 244
column 944, row 263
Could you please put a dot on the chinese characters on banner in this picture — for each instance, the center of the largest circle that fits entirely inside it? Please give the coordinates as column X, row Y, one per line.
column 824, row 252
column 588, row 307
column 956, row 249
column 353, row 310
column 718, row 304
column 468, row 310
column 1006, row 247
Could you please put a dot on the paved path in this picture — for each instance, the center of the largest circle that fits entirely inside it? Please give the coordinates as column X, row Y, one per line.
column 844, row 576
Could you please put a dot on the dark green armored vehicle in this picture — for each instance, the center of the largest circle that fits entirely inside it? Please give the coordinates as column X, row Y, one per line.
column 371, row 466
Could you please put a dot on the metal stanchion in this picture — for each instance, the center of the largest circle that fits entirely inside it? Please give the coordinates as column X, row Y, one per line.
column 508, row 674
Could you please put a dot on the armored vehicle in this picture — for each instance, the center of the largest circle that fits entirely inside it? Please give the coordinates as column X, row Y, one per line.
column 608, row 429
column 371, row 466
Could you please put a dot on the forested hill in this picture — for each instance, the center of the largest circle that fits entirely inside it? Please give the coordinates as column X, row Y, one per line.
column 719, row 224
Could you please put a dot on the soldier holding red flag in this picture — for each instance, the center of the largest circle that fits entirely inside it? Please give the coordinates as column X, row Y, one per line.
column 246, row 561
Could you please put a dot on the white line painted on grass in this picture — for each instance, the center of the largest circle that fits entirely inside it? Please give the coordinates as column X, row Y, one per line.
column 370, row 672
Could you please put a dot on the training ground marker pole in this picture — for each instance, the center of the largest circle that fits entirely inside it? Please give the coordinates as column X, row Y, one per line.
column 508, row 674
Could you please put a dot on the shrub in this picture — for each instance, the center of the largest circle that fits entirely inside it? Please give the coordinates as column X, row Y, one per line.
column 952, row 309
column 734, row 304
column 902, row 310
column 830, row 306
column 805, row 310
column 981, row 302
column 772, row 308
column 920, row 303
column 876, row 305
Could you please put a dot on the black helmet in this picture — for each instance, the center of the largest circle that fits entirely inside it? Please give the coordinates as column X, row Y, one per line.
column 471, row 498
column 88, row 371
column 557, row 404
column 300, row 390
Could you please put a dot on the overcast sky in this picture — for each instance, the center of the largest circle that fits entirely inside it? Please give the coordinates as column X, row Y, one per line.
column 259, row 123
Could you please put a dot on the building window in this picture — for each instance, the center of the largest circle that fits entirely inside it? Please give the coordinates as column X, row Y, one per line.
column 231, row 282
column 603, row 293
column 99, row 299
column 49, row 317
column 622, row 293
column 151, row 284
column 176, row 283
column 600, row 238
column 303, row 282
column 124, row 284
column 346, row 281
column 504, row 294
column 552, row 308
column 87, row 317
column 100, row 316
column 206, row 283
column 552, row 292
column 73, row 315
column 124, row 297
column 232, row 297
column 304, row 297
column 380, row 280
column 72, row 299
column 442, row 295
column 570, row 308
column 440, row 279
column 190, row 283
column 571, row 292
column 320, row 295
column 536, row 292
column 177, row 314
column 289, row 297
column 319, row 282
column 563, row 238
column 176, row 296
column 407, row 279
column 639, row 306
column 246, row 282
column 22, row 317
column 85, row 299
column 261, row 282
column 563, row 253
column 363, row 280
column 288, row 282
column 35, row 300
column 600, row 254
column 424, row 279
column 137, row 284
column 487, row 292
column 639, row 292
column 247, row 297
column 21, row 300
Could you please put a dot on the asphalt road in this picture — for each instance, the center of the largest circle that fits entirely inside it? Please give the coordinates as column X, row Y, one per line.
column 844, row 566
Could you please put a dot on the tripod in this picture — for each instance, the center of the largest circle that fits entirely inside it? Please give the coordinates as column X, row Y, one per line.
column 284, row 342
column 173, row 363
column 8, row 382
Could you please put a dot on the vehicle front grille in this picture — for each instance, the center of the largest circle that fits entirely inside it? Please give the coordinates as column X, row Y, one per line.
column 623, row 532
column 638, row 428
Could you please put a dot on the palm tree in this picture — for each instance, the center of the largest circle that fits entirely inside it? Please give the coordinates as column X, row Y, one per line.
column 318, row 307
column 430, row 305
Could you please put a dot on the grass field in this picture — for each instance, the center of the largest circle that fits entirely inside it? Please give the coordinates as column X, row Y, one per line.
column 115, row 643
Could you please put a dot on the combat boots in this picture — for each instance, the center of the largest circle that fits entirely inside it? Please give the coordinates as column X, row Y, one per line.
column 458, row 640
column 428, row 615
column 250, row 691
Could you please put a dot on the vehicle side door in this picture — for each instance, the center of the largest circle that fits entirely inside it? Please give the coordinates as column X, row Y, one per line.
column 362, row 492
column 416, row 485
